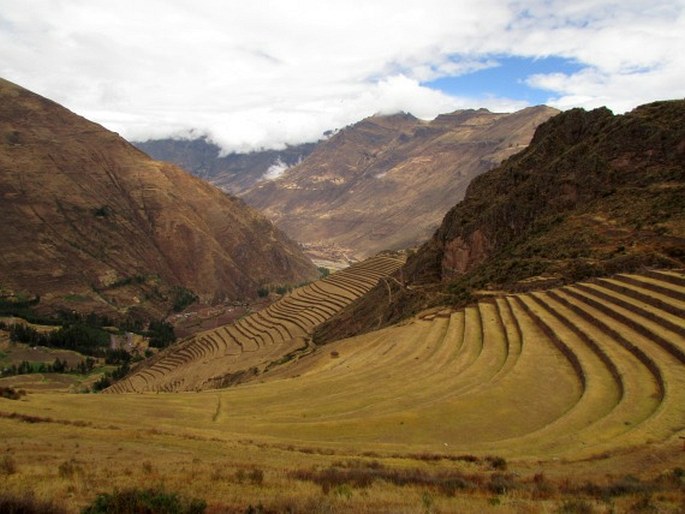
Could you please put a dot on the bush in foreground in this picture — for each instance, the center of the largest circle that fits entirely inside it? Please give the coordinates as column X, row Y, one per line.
column 144, row 501
column 26, row 504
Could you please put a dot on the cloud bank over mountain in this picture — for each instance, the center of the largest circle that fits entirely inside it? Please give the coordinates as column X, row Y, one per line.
column 265, row 74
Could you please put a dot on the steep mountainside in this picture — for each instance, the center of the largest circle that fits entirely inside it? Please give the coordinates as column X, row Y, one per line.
column 235, row 172
column 385, row 182
column 593, row 194
column 91, row 223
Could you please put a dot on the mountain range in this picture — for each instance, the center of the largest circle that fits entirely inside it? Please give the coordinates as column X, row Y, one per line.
column 382, row 183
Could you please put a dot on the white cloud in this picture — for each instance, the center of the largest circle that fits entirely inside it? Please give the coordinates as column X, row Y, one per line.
column 251, row 74
column 276, row 170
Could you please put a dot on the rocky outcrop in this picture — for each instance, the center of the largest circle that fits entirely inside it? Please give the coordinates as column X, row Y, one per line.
column 461, row 255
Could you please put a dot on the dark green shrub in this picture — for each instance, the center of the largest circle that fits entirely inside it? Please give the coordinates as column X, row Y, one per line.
column 101, row 212
column 161, row 334
column 183, row 298
column 497, row 462
column 144, row 501
column 10, row 393
column 103, row 383
column 575, row 507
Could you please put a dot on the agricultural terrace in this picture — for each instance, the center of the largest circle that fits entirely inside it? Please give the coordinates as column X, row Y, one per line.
column 232, row 353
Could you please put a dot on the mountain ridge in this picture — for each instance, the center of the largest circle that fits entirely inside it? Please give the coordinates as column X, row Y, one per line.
column 385, row 182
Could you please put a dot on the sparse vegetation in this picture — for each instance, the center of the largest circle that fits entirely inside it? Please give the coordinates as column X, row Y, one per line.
column 102, row 212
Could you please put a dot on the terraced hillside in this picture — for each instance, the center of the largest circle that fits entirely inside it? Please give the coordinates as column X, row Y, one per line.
column 573, row 371
column 232, row 353
column 583, row 367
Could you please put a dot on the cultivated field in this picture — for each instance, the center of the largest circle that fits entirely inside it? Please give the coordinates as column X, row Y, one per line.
column 523, row 403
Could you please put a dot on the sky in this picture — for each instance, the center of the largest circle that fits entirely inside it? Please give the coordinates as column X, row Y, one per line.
column 266, row 73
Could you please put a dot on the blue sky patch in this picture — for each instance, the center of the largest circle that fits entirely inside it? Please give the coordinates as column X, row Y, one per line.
column 506, row 80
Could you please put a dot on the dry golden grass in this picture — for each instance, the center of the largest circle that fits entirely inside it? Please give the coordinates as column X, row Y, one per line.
column 400, row 420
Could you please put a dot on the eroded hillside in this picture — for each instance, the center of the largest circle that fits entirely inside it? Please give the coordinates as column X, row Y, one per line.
column 92, row 224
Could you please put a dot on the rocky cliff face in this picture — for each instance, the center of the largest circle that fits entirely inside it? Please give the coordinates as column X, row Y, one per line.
column 593, row 194
column 91, row 223
column 385, row 182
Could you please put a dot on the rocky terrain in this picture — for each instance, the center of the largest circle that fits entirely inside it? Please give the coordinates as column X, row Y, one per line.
column 593, row 194
column 90, row 223
column 385, row 182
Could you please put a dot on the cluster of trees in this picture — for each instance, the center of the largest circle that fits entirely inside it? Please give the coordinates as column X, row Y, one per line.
column 79, row 338
column 110, row 377
column 161, row 334
column 183, row 298
column 83, row 333
column 264, row 291
column 86, row 339
column 84, row 367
